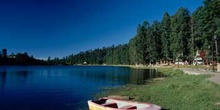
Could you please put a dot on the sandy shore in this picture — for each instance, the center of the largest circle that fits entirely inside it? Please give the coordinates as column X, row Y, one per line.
column 215, row 76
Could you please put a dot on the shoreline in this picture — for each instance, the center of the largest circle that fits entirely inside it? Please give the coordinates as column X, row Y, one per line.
column 178, row 91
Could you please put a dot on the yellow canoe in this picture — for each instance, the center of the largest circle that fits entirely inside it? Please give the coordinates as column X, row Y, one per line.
column 117, row 104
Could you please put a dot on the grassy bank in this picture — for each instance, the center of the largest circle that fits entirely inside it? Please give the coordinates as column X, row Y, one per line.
column 177, row 92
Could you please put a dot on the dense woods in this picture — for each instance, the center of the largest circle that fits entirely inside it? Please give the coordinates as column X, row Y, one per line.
column 110, row 55
column 175, row 35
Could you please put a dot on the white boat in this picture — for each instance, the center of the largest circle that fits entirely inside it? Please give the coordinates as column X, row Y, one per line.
column 117, row 104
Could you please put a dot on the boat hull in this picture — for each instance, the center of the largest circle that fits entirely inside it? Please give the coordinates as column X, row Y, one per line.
column 115, row 104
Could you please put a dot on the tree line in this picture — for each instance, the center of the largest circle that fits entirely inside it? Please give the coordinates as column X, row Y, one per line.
column 175, row 35
column 19, row 59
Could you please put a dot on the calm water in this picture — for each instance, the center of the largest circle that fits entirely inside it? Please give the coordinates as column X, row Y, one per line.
column 61, row 87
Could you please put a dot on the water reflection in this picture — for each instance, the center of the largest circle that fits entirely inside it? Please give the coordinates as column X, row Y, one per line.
column 115, row 75
column 112, row 75
column 13, row 77
column 61, row 87
column 23, row 74
column 3, row 79
column 140, row 76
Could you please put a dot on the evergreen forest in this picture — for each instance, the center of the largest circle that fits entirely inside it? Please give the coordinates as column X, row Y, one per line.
column 178, row 35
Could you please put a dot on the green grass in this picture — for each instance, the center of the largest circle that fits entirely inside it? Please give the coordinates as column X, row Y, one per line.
column 177, row 92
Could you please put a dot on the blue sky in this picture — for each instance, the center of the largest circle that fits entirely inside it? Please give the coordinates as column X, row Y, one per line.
column 58, row 28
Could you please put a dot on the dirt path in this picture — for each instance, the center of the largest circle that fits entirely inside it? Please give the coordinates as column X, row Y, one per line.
column 215, row 76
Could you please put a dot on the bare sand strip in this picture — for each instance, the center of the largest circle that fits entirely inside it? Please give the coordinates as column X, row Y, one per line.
column 215, row 76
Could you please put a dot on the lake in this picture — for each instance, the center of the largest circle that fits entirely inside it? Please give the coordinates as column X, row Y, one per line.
column 61, row 87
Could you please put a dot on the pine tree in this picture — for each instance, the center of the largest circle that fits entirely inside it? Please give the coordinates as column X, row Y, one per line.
column 165, row 36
